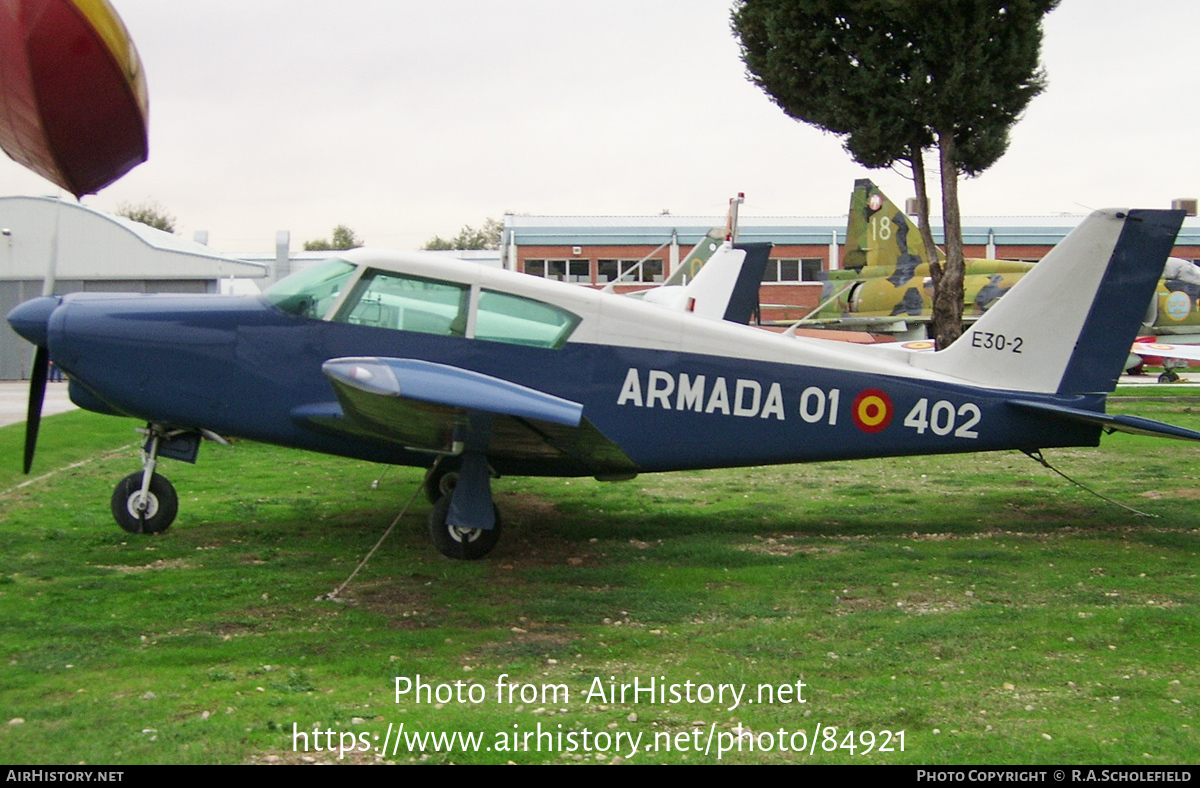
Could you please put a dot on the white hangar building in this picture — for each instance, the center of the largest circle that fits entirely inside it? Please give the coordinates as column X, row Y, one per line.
column 91, row 251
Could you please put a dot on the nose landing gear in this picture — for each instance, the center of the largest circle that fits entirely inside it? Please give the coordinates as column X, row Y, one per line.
column 145, row 502
column 144, row 506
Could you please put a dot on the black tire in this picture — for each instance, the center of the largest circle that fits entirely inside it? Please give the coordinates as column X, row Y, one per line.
column 464, row 544
column 1168, row 377
column 441, row 482
column 160, row 512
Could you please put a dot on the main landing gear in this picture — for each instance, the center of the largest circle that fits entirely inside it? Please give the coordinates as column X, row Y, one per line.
column 441, row 479
column 464, row 524
column 1171, row 368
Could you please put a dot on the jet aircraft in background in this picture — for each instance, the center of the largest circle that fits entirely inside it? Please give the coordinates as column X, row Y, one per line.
column 884, row 284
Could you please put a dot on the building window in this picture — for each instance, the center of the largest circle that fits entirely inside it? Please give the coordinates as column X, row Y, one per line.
column 561, row 270
column 788, row 270
column 628, row 271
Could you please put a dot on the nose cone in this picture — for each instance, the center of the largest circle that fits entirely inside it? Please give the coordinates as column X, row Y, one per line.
column 31, row 318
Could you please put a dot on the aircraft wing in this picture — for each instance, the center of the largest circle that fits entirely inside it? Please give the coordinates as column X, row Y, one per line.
column 1162, row 350
column 1143, row 349
column 427, row 407
column 877, row 323
column 862, row 323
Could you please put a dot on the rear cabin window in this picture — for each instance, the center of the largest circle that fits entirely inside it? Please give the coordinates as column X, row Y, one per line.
column 430, row 306
column 522, row 321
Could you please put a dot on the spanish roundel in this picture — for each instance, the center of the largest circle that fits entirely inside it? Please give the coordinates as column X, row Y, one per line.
column 872, row 410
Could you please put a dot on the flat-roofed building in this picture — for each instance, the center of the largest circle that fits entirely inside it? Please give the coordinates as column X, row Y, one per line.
column 595, row 250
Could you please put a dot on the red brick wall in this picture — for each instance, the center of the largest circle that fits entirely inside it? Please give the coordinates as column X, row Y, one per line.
column 800, row 299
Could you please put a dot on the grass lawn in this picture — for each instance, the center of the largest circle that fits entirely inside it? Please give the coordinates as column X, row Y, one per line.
column 979, row 604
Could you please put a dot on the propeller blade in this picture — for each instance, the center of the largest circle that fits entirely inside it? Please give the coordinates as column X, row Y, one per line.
column 37, row 394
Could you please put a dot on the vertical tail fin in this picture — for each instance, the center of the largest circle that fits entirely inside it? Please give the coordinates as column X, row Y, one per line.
column 1067, row 326
column 879, row 233
column 726, row 286
column 691, row 264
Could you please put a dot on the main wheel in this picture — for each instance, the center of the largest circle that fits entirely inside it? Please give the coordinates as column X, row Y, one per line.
column 468, row 544
column 1168, row 376
column 441, row 482
column 162, row 504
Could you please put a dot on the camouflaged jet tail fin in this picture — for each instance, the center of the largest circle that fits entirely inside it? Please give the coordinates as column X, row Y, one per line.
column 878, row 233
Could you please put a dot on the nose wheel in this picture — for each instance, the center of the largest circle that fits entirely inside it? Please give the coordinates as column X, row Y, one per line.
column 145, row 502
column 144, row 512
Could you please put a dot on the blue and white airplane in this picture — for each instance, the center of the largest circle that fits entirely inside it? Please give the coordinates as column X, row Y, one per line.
column 408, row 359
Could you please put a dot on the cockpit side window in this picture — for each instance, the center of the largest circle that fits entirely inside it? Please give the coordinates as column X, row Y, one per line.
column 407, row 303
column 311, row 292
column 504, row 317
column 401, row 302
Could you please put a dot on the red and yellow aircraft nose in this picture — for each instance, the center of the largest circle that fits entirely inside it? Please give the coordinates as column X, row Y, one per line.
column 73, row 101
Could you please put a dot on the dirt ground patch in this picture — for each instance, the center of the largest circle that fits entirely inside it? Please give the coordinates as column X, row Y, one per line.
column 1186, row 493
column 174, row 563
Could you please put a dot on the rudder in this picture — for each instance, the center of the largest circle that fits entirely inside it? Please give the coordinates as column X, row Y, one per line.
column 1067, row 326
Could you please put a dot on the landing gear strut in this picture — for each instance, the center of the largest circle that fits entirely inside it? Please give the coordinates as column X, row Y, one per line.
column 145, row 502
column 464, row 523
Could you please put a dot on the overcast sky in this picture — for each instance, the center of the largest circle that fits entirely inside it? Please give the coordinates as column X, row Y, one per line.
column 409, row 118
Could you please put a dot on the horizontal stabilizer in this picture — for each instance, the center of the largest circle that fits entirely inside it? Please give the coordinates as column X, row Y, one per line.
column 1134, row 425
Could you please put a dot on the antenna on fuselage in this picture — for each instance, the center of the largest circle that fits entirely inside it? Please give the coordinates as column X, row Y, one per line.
column 731, row 221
